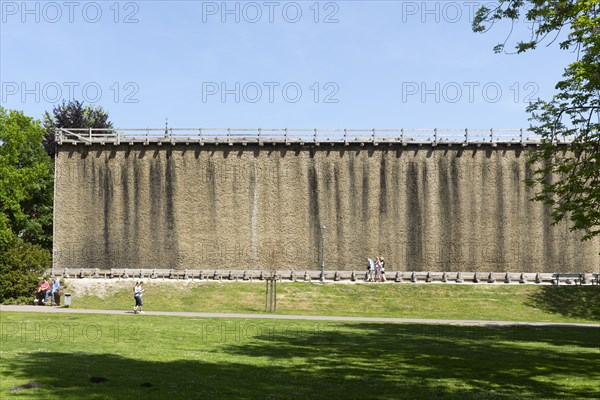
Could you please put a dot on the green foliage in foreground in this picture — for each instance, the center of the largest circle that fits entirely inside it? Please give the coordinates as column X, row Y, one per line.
column 173, row 358
column 567, row 181
column 480, row 302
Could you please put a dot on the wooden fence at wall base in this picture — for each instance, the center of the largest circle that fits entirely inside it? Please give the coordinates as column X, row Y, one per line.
column 330, row 276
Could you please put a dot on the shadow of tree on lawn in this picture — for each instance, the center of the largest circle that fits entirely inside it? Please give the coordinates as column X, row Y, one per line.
column 569, row 301
column 356, row 361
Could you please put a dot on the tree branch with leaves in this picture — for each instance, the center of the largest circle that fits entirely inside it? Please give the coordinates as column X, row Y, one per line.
column 566, row 169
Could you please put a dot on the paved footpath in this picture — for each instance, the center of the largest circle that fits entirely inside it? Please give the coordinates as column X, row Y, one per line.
column 62, row 310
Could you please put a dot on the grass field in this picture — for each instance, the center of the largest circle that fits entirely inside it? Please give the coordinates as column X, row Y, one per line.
column 481, row 302
column 152, row 357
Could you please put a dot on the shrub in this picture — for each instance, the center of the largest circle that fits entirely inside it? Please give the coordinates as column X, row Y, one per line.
column 21, row 300
column 21, row 265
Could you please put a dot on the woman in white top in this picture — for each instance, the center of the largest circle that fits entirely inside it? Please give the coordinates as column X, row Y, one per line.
column 137, row 295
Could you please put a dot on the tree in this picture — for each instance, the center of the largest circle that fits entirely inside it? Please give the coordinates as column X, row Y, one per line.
column 26, row 181
column 26, row 189
column 72, row 115
column 567, row 177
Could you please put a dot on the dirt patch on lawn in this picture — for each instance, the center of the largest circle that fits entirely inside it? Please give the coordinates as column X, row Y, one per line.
column 30, row 385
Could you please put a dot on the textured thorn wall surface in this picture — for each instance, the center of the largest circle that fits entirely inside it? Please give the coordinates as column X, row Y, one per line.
column 248, row 207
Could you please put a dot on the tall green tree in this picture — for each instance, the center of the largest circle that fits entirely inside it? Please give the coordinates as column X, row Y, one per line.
column 26, row 181
column 567, row 177
column 26, row 191
column 72, row 115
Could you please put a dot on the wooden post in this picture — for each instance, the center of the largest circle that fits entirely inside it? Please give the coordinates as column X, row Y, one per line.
column 271, row 294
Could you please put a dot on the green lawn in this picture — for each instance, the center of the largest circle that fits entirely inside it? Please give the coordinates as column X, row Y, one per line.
column 481, row 302
column 157, row 357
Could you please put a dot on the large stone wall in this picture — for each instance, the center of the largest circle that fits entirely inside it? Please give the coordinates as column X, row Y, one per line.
column 248, row 207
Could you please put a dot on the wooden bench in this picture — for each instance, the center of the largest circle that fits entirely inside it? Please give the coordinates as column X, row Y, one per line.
column 160, row 273
column 217, row 275
column 39, row 298
column 118, row 273
column 577, row 278
column 232, row 276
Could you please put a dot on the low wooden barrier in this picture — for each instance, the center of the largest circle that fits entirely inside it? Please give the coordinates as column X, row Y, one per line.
column 248, row 275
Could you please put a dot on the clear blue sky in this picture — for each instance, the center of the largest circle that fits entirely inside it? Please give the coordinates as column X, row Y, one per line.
column 358, row 64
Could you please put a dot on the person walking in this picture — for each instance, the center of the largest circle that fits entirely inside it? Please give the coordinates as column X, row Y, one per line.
column 382, row 264
column 370, row 270
column 137, row 295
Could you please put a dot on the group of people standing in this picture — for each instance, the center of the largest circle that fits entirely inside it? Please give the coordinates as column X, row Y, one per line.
column 375, row 270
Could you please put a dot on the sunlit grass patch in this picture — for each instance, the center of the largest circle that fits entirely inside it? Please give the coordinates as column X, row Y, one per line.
column 437, row 301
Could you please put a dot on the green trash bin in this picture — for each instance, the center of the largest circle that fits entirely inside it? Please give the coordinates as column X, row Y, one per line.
column 67, row 302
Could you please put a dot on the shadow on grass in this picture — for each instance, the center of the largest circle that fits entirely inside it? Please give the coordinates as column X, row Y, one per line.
column 569, row 301
column 357, row 361
column 442, row 361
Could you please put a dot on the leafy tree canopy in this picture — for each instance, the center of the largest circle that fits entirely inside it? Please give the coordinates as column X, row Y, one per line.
column 26, row 181
column 567, row 177
column 72, row 115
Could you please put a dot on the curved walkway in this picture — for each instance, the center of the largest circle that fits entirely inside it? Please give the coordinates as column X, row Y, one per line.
column 39, row 309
